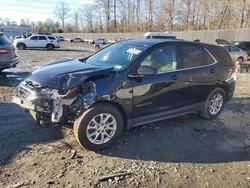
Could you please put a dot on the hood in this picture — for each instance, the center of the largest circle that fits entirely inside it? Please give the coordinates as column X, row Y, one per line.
column 66, row 74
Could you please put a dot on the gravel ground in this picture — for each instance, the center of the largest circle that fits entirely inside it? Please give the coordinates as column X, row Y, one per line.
column 181, row 152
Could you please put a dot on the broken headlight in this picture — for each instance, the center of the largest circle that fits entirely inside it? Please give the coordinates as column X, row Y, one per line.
column 69, row 81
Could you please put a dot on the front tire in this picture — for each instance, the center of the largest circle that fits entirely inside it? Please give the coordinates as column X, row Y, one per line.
column 98, row 127
column 21, row 46
column 214, row 104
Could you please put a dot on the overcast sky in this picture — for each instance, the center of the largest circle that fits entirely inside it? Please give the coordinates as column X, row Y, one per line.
column 35, row 10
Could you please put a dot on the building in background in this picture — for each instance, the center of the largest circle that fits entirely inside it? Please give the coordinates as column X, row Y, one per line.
column 13, row 31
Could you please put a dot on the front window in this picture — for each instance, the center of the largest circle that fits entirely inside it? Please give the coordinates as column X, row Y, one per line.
column 162, row 59
column 118, row 55
column 34, row 38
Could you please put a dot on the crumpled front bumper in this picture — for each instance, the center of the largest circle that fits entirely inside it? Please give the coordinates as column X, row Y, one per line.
column 29, row 98
column 24, row 103
column 58, row 108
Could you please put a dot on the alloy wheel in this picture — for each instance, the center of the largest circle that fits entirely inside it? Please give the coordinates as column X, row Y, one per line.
column 216, row 104
column 101, row 128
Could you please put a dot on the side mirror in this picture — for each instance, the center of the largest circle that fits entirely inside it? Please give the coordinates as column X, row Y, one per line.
column 146, row 70
column 143, row 71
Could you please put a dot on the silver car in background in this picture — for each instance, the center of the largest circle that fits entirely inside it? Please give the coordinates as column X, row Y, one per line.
column 8, row 57
column 237, row 54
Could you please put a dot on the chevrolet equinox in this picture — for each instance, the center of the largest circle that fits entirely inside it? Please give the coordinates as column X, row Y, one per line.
column 127, row 84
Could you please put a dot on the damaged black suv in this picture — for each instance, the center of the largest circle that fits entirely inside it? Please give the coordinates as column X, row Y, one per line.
column 127, row 84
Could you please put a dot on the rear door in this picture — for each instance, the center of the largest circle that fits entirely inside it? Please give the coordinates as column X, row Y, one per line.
column 201, row 73
column 42, row 41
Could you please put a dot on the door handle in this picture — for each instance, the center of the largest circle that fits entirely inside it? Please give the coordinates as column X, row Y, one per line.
column 212, row 71
column 174, row 77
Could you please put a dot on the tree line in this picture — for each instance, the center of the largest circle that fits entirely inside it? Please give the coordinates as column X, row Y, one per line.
column 148, row 15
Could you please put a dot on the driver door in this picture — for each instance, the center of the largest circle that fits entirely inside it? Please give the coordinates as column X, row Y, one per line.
column 163, row 90
column 33, row 42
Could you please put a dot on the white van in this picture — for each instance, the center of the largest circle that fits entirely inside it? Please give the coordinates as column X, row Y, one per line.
column 159, row 35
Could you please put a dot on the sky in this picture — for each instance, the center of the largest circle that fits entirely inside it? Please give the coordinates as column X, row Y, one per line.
column 35, row 10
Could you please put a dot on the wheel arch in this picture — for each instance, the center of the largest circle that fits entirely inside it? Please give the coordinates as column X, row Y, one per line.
column 224, row 87
column 50, row 44
column 240, row 57
column 21, row 43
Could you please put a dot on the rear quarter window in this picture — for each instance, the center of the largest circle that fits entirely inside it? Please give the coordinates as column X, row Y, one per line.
column 220, row 54
column 4, row 40
column 51, row 38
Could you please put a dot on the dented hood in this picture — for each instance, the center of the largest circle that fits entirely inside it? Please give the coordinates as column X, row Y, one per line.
column 66, row 74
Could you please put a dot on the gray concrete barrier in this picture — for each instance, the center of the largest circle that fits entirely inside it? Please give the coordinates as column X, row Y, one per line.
column 208, row 36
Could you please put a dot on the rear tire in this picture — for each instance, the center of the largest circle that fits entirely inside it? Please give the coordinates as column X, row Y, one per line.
column 21, row 46
column 50, row 47
column 98, row 127
column 214, row 104
column 238, row 63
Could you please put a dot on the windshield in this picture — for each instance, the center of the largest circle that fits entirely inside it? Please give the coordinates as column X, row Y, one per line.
column 118, row 55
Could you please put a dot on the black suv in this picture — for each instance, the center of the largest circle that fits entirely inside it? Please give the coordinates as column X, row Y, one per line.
column 8, row 57
column 127, row 84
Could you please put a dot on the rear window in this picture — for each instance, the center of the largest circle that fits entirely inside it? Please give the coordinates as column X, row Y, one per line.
column 195, row 56
column 4, row 40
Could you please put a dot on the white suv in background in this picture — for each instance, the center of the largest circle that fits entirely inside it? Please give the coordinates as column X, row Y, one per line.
column 37, row 41
column 99, row 41
column 159, row 35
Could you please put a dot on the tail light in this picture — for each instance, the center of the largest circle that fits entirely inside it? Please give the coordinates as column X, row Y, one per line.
column 4, row 51
column 234, row 68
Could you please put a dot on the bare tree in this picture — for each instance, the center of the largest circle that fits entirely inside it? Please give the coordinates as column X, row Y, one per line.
column 150, row 15
column 158, row 15
column 76, row 20
column 106, row 6
column 115, row 16
column 243, row 7
column 88, row 15
column 62, row 11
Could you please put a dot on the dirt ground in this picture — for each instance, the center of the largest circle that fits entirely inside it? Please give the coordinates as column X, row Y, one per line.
column 187, row 151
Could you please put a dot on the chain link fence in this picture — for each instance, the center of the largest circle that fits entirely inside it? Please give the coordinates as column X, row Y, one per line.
column 208, row 36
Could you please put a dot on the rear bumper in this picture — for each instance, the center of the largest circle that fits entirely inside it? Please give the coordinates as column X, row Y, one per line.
column 230, row 85
column 8, row 64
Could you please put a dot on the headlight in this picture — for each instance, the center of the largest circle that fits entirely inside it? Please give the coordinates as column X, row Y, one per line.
column 68, row 81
